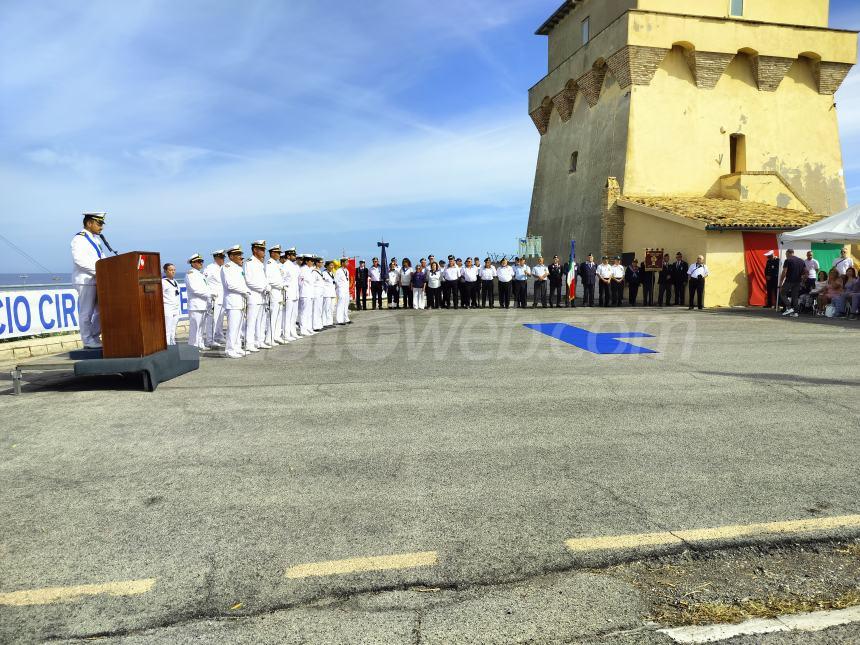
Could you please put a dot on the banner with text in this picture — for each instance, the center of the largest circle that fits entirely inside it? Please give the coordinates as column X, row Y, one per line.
column 30, row 312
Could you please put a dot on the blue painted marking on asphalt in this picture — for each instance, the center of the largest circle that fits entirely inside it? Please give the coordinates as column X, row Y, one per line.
column 596, row 343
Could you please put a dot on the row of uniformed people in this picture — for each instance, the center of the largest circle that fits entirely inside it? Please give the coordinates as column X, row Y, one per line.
column 268, row 301
column 459, row 283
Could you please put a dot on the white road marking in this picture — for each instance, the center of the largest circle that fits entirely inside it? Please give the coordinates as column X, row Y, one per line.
column 50, row 595
column 811, row 622
column 355, row 565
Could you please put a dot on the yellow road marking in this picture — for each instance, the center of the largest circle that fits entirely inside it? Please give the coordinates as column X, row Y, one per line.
column 611, row 542
column 50, row 595
column 355, row 565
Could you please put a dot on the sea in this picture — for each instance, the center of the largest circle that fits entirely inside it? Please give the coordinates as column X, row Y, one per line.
column 29, row 279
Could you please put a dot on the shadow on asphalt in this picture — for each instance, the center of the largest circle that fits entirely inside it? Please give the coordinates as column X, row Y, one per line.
column 808, row 318
column 788, row 378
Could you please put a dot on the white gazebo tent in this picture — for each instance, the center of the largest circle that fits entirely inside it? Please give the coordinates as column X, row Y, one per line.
column 840, row 228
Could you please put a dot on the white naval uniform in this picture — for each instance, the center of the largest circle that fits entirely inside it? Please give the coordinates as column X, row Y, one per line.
column 276, row 299
column 214, row 332
column 341, row 283
column 86, row 251
column 290, row 271
column 170, row 293
column 255, row 323
column 319, row 296
column 329, row 294
column 200, row 299
column 236, row 294
column 306, row 300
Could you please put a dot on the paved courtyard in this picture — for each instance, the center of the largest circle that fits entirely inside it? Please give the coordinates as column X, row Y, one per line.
column 463, row 446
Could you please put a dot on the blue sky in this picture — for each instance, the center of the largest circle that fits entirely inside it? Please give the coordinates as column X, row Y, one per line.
column 323, row 125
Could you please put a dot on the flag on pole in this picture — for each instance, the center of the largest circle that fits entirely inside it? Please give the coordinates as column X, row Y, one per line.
column 383, row 262
column 571, row 271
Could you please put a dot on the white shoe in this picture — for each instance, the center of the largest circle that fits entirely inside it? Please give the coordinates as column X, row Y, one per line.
column 234, row 355
column 216, row 345
column 252, row 350
column 788, row 312
column 93, row 344
column 265, row 346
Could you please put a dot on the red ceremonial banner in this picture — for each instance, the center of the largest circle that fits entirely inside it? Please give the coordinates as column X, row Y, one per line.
column 350, row 266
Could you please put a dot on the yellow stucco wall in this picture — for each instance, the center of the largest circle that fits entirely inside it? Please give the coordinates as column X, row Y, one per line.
column 791, row 12
column 763, row 189
column 566, row 38
column 679, row 140
column 727, row 285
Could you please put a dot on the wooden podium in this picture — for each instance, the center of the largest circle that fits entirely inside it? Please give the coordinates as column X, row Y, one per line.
column 131, row 305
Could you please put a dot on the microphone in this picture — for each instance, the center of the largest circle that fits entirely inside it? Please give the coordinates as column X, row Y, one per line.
column 107, row 244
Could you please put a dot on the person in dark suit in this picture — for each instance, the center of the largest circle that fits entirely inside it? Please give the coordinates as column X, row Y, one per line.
column 664, row 280
column 771, row 276
column 633, row 278
column 588, row 276
column 362, row 275
column 680, row 277
column 556, row 278
column 647, row 278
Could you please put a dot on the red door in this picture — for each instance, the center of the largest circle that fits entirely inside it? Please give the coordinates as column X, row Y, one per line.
column 755, row 247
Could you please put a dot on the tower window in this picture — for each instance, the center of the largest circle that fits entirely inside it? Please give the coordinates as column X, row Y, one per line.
column 738, row 153
column 586, row 32
column 737, row 7
column 574, row 160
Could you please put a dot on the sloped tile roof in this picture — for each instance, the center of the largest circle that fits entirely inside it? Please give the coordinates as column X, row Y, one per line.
column 728, row 213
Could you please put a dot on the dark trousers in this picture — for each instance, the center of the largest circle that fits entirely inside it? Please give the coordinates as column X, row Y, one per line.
column 487, row 292
column 632, row 294
column 361, row 296
column 679, row 292
column 697, row 289
column 407, row 297
column 393, row 296
column 505, row 294
column 539, row 292
column 648, row 294
column 664, row 294
column 434, row 297
column 617, row 293
column 520, row 291
column 588, row 294
column 466, row 292
column 376, row 294
column 450, row 294
column 772, row 291
column 603, row 293
column 555, row 289
column 791, row 289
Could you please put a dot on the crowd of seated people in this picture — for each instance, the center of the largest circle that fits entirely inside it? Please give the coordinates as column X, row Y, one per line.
column 842, row 292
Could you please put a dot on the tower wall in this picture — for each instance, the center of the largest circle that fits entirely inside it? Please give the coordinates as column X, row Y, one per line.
column 568, row 205
column 679, row 141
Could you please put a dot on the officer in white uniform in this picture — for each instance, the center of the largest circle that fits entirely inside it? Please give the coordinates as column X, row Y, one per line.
column 540, row 272
column 306, row 297
column 341, row 281
column 255, row 278
column 329, row 294
column 604, row 282
column 236, row 294
column 290, row 270
column 698, row 272
column 172, row 309
column 275, row 277
column 200, row 298
column 86, row 251
column 319, row 294
column 214, row 330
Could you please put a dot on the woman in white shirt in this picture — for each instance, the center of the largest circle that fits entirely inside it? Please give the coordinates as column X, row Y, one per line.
column 434, row 286
column 393, row 286
column 406, row 274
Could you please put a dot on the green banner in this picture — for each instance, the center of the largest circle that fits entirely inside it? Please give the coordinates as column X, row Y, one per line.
column 825, row 254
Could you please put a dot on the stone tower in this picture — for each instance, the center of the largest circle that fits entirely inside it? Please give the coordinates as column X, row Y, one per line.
column 671, row 98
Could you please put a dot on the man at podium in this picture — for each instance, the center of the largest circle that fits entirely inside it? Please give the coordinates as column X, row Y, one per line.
column 86, row 251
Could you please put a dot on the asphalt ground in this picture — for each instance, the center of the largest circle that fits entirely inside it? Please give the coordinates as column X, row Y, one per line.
column 461, row 433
